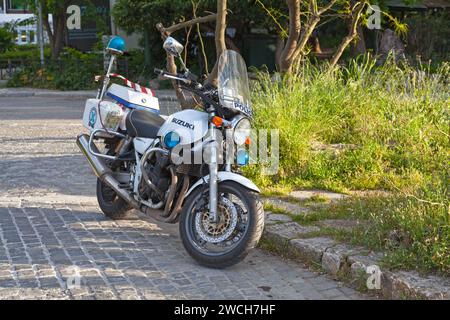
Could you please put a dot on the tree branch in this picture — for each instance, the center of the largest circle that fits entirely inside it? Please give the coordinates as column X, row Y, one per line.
column 353, row 31
column 327, row 7
column 186, row 101
column 299, row 36
column 186, row 24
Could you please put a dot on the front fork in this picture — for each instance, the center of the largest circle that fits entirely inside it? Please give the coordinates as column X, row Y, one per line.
column 213, row 173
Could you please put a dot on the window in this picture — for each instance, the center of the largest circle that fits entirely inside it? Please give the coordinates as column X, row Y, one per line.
column 17, row 6
column 2, row 9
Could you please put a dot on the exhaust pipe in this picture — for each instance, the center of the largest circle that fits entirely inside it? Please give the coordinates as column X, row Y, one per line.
column 102, row 171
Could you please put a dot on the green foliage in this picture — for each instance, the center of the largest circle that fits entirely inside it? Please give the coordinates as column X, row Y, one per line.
column 73, row 71
column 393, row 120
column 140, row 15
column 27, row 52
column 6, row 39
column 428, row 36
column 145, row 14
column 414, row 234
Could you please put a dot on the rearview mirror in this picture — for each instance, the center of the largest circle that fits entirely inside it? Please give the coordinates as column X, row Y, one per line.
column 173, row 47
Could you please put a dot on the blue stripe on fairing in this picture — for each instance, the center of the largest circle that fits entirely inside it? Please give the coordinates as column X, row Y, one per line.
column 129, row 104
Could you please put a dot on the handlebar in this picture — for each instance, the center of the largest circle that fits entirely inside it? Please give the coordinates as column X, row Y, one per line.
column 158, row 71
column 168, row 75
column 191, row 85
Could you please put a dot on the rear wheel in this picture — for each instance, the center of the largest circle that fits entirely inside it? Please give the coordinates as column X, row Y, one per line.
column 223, row 244
column 113, row 206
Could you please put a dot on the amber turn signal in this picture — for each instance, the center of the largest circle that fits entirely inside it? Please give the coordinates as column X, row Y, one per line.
column 217, row 121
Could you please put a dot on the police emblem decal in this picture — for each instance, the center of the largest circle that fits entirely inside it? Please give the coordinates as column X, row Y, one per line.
column 92, row 117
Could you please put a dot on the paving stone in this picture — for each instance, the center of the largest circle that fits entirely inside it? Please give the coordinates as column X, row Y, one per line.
column 340, row 224
column 360, row 262
column 334, row 258
column 292, row 208
column 284, row 232
column 313, row 248
column 52, row 222
column 274, row 218
column 303, row 195
column 411, row 284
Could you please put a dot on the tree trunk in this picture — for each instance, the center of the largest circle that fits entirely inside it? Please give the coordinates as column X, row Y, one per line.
column 187, row 101
column 49, row 31
column 221, row 26
column 299, row 36
column 285, row 59
column 315, row 43
column 56, row 34
column 278, row 51
column 59, row 27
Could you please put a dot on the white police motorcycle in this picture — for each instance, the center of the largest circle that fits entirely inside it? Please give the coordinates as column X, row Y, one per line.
column 181, row 168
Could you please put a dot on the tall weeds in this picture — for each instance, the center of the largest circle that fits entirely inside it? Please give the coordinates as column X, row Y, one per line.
column 392, row 126
column 391, row 122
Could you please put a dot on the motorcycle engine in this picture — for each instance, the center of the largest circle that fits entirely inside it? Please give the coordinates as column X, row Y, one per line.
column 159, row 176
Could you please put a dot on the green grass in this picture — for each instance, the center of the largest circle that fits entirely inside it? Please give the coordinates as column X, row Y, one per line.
column 268, row 207
column 396, row 116
column 414, row 235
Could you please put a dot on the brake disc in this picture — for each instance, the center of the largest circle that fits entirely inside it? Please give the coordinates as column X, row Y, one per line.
column 217, row 232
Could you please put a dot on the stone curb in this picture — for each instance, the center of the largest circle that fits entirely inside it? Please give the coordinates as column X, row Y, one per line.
column 38, row 93
column 349, row 263
column 8, row 93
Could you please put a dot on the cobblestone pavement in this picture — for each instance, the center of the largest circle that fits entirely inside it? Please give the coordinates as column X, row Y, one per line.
column 51, row 229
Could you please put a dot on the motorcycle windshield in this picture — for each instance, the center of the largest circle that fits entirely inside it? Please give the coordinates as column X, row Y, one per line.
column 234, row 92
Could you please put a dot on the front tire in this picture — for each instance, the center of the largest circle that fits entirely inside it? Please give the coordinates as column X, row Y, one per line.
column 113, row 206
column 254, row 219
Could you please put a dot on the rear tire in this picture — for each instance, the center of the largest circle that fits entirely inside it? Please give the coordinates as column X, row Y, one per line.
column 113, row 206
column 248, row 241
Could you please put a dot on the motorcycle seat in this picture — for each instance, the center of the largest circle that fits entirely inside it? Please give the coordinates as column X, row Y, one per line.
column 142, row 123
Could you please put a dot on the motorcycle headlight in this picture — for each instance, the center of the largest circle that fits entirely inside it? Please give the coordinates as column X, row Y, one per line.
column 242, row 131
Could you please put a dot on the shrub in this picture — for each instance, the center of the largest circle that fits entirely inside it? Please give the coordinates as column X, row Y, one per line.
column 24, row 52
column 72, row 71
column 6, row 39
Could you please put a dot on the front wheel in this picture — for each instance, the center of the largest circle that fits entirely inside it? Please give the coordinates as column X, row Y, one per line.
column 223, row 244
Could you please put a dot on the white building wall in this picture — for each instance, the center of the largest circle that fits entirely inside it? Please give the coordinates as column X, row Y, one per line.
column 25, row 34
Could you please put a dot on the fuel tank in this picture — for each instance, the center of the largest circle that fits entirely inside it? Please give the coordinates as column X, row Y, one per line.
column 190, row 125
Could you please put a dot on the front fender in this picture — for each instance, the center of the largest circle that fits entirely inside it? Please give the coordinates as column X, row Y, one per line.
column 225, row 176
